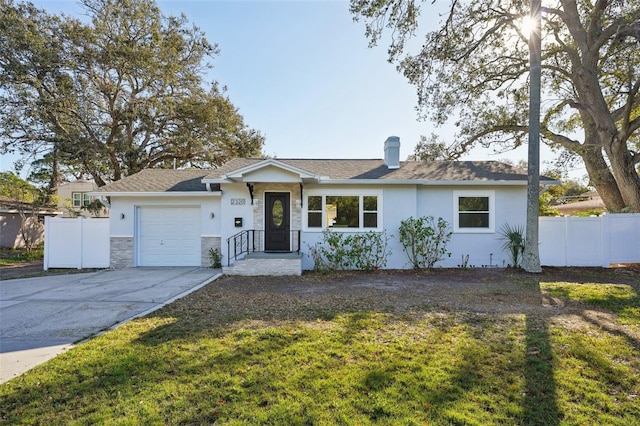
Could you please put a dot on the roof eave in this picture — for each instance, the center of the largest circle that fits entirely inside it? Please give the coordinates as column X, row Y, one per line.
column 157, row 194
column 43, row 212
column 206, row 180
column 425, row 182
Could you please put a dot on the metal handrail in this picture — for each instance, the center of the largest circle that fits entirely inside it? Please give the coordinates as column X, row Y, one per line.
column 252, row 240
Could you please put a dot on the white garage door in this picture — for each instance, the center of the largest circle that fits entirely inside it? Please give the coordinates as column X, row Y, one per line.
column 169, row 236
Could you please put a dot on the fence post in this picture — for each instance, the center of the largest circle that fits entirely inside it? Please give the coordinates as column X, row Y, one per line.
column 605, row 250
column 566, row 240
column 80, row 220
column 45, row 263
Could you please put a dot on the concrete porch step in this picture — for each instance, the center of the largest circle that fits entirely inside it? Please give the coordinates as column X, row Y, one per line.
column 258, row 263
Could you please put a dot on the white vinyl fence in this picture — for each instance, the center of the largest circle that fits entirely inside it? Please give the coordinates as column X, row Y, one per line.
column 590, row 241
column 76, row 243
column 564, row 241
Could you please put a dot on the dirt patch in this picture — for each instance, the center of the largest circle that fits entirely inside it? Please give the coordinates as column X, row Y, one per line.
column 20, row 270
column 317, row 296
column 34, row 269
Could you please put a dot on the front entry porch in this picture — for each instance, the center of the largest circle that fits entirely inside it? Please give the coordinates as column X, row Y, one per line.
column 262, row 263
column 248, row 254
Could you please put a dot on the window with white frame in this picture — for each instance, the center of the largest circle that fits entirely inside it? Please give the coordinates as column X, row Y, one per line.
column 80, row 199
column 474, row 211
column 343, row 211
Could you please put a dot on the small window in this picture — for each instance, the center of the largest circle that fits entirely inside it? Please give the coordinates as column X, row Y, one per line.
column 314, row 210
column 277, row 213
column 80, row 199
column 77, row 199
column 474, row 211
column 370, row 211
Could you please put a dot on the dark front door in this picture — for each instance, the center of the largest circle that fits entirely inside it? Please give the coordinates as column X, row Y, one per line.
column 277, row 222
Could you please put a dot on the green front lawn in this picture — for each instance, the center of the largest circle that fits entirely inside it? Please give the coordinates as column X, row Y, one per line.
column 426, row 366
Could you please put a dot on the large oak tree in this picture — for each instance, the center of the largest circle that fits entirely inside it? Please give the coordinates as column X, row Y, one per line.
column 124, row 90
column 473, row 70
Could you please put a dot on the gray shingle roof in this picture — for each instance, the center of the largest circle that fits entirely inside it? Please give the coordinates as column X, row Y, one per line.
column 164, row 180
column 8, row 204
column 409, row 170
column 159, row 180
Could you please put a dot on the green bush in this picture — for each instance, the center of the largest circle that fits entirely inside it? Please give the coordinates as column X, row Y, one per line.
column 367, row 251
column 215, row 258
column 424, row 241
column 514, row 241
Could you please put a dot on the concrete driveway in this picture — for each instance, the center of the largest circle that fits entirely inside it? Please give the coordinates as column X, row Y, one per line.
column 44, row 316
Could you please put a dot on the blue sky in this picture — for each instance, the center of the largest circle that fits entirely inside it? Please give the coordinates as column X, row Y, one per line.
column 302, row 73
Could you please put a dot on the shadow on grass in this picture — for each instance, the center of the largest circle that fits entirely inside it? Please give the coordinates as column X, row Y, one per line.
column 199, row 361
column 602, row 303
column 540, row 407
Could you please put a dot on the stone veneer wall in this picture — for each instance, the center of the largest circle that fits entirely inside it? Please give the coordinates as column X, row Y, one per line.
column 207, row 243
column 258, row 211
column 121, row 252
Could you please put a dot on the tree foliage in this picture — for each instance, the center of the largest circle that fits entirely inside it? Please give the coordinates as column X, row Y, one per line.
column 123, row 92
column 12, row 186
column 473, row 69
column 27, row 201
column 430, row 149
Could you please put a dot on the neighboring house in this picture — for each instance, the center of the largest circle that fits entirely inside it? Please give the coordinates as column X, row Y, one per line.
column 73, row 196
column 19, row 220
column 587, row 202
column 276, row 206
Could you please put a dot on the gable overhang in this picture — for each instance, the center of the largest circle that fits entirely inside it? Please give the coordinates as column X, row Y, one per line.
column 251, row 174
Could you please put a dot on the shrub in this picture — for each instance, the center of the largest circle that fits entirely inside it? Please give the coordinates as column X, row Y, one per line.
column 513, row 237
column 215, row 258
column 424, row 241
column 367, row 251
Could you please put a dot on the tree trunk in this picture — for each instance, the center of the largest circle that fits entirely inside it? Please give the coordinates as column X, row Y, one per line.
column 54, row 178
column 602, row 179
column 625, row 175
column 600, row 176
column 531, row 255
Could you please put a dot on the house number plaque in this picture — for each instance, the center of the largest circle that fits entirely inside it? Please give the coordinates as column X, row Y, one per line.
column 238, row 201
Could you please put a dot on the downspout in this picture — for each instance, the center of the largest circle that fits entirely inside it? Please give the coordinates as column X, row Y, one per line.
column 301, row 195
column 104, row 201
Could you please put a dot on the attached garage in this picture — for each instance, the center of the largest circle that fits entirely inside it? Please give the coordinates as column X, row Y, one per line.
column 169, row 236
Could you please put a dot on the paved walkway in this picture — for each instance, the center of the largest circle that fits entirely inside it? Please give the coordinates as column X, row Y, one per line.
column 44, row 316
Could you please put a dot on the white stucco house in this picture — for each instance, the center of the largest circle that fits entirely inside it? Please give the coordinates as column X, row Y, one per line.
column 276, row 208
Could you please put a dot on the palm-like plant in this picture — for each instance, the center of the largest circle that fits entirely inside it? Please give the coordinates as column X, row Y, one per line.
column 513, row 237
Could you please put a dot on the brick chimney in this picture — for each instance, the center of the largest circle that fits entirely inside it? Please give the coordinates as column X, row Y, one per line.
column 392, row 152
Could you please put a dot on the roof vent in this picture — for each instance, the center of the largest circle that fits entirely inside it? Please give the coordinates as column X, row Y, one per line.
column 392, row 152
